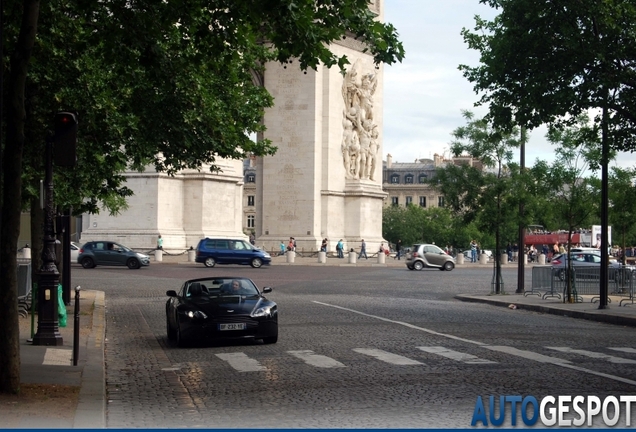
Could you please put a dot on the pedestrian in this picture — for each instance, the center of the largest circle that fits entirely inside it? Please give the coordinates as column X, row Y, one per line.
column 291, row 245
column 159, row 242
column 323, row 246
column 282, row 248
column 473, row 251
column 340, row 248
column 398, row 249
column 363, row 250
column 252, row 239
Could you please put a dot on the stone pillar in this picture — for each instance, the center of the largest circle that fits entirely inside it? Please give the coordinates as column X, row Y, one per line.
column 381, row 258
column 192, row 255
column 352, row 257
column 542, row 259
column 483, row 259
column 158, row 255
column 460, row 258
column 322, row 257
column 504, row 258
column 291, row 256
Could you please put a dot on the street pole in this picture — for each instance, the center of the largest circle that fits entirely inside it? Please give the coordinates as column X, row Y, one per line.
column 522, row 228
column 49, row 278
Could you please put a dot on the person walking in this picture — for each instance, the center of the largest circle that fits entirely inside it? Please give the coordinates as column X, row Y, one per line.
column 398, row 249
column 339, row 249
column 159, row 242
column 363, row 250
column 282, row 248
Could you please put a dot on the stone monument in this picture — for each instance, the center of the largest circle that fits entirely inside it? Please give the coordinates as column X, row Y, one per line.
column 325, row 179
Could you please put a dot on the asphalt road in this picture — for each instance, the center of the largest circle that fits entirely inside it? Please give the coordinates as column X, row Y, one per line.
column 363, row 347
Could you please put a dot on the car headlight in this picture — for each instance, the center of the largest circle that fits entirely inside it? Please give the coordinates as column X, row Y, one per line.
column 142, row 256
column 266, row 255
column 264, row 311
column 195, row 314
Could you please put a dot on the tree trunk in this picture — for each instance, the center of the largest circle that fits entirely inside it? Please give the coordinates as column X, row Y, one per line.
column 12, row 201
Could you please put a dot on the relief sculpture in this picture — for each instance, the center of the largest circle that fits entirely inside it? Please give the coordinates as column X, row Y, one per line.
column 360, row 133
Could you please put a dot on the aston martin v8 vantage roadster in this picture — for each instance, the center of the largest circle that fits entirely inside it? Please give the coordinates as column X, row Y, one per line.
column 220, row 308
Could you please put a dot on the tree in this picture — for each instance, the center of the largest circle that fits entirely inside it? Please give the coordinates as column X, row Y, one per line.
column 482, row 195
column 623, row 205
column 167, row 84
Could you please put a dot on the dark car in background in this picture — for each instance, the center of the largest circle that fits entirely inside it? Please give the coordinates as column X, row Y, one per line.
column 428, row 255
column 581, row 258
column 108, row 253
column 213, row 251
column 220, row 308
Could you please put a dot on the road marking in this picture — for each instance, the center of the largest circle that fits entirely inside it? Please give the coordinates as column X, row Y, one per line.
column 627, row 350
column 388, row 357
column 513, row 351
column 317, row 360
column 455, row 355
column 241, row 362
column 596, row 355
column 56, row 356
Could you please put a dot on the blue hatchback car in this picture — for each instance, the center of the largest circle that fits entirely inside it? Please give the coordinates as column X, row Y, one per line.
column 213, row 251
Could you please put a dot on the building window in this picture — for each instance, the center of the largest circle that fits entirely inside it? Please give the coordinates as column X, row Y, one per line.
column 422, row 178
column 395, row 179
column 250, row 221
column 250, row 200
column 408, row 179
column 251, row 178
column 422, row 201
column 409, row 200
column 394, row 201
column 440, row 201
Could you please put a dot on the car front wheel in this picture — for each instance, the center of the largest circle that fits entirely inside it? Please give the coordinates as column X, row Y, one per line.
column 448, row 266
column 257, row 262
column 88, row 263
column 209, row 262
column 181, row 341
column 172, row 334
column 133, row 263
column 418, row 265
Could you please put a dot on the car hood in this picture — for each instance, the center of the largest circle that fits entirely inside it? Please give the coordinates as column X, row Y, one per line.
column 225, row 305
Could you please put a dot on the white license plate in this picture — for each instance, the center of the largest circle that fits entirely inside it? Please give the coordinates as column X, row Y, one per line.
column 240, row 326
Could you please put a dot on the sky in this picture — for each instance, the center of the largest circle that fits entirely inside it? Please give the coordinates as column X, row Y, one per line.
column 425, row 94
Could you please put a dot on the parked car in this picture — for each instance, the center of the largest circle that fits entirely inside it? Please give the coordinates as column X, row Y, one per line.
column 590, row 258
column 428, row 255
column 213, row 251
column 220, row 308
column 108, row 253
column 74, row 251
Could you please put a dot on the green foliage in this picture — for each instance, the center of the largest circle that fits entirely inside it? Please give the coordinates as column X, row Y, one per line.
column 622, row 195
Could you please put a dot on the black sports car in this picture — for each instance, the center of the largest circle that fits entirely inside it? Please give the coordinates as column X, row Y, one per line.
column 220, row 308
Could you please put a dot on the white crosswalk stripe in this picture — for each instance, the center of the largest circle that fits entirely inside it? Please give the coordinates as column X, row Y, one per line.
column 388, row 357
column 624, row 349
column 317, row 360
column 593, row 354
column 455, row 355
column 242, row 362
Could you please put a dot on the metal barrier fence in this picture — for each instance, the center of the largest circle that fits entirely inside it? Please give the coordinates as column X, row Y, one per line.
column 24, row 286
column 548, row 281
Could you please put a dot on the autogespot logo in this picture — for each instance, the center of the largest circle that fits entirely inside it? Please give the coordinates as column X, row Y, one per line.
column 566, row 411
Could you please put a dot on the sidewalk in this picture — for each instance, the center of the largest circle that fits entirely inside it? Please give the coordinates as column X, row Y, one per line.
column 52, row 365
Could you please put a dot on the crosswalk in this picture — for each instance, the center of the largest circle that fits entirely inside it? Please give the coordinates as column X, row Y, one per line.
column 241, row 362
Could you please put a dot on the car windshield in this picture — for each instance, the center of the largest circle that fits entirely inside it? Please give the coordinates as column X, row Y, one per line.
column 215, row 287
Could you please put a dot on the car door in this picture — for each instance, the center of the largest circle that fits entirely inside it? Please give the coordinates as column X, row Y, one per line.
column 222, row 252
column 119, row 254
column 101, row 253
column 434, row 255
column 241, row 252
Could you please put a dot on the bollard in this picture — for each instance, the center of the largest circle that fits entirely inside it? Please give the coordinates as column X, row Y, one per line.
column 483, row 259
column 525, row 258
column 504, row 258
column 381, row 257
column 192, row 255
column 291, row 256
column 352, row 257
column 460, row 259
column 158, row 255
column 322, row 257
column 26, row 252
column 542, row 259
column 76, row 325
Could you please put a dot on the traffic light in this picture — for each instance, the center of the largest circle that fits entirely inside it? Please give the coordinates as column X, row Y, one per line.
column 64, row 151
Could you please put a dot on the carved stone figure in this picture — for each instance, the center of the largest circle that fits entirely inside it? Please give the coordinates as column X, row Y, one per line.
column 359, row 139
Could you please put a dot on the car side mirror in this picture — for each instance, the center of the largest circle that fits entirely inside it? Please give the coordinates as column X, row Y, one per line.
column 267, row 290
column 171, row 293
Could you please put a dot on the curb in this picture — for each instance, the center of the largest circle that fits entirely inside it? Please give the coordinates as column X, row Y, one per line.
column 600, row 316
column 91, row 407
